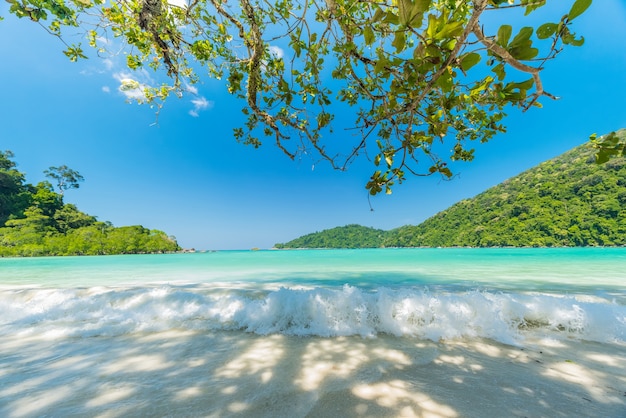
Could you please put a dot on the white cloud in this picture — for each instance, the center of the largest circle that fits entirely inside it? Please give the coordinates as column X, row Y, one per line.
column 106, row 89
column 201, row 103
column 101, row 66
column 277, row 51
column 108, row 64
column 178, row 3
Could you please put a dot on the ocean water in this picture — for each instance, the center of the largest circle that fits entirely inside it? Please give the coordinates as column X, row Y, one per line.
column 71, row 326
column 424, row 293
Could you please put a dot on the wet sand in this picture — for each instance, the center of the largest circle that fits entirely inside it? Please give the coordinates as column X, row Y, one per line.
column 233, row 374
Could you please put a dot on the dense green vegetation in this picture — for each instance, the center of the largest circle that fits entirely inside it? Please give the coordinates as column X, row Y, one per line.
column 349, row 236
column 34, row 221
column 567, row 201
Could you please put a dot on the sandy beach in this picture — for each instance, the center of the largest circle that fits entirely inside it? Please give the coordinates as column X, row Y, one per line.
column 193, row 374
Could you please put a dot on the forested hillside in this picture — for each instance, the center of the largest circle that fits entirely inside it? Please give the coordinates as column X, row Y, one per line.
column 567, row 201
column 35, row 221
column 349, row 236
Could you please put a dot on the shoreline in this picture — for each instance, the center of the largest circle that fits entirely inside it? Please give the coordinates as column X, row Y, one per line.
column 256, row 249
column 229, row 373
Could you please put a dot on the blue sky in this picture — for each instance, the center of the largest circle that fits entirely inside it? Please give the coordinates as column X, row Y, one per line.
column 187, row 176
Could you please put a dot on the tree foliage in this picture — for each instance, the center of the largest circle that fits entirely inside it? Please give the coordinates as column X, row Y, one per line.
column 424, row 79
column 65, row 178
column 567, row 201
column 34, row 221
column 14, row 195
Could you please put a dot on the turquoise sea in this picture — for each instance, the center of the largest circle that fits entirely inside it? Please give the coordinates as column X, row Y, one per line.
column 62, row 319
column 426, row 293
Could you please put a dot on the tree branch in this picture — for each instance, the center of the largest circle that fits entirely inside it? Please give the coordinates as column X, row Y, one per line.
column 515, row 63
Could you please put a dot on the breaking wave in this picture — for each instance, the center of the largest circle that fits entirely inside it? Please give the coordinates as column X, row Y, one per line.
column 327, row 312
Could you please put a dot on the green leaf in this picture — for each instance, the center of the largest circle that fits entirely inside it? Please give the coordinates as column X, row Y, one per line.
column 411, row 13
column 546, row 30
column 525, row 85
column 609, row 146
column 445, row 171
column 578, row 8
column 133, row 62
column 378, row 15
column 521, row 46
column 391, row 18
column 499, row 70
column 571, row 40
column 405, row 8
column 517, row 91
column 535, row 4
column 522, row 37
column 201, row 49
column 469, row 60
column 399, row 41
column 74, row 52
column 92, row 36
column 603, row 156
column 524, row 53
column 449, row 30
column 445, row 81
column 504, row 34
column 433, row 24
column 419, row 8
column 381, row 64
column 368, row 35
column 323, row 119
column 296, row 48
column 283, row 86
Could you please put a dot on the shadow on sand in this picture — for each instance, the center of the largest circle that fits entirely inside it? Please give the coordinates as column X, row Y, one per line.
column 198, row 374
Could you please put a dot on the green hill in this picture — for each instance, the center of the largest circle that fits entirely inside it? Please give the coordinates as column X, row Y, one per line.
column 349, row 236
column 35, row 221
column 566, row 201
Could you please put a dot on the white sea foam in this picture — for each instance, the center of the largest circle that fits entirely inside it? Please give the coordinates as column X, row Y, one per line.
column 404, row 311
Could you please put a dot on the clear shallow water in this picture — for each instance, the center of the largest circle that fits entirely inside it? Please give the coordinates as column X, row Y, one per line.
column 501, row 294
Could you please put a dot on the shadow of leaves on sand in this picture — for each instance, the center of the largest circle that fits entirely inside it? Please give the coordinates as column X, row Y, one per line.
column 182, row 373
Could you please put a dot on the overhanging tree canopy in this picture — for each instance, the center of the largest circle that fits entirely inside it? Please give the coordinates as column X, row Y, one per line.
column 416, row 73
